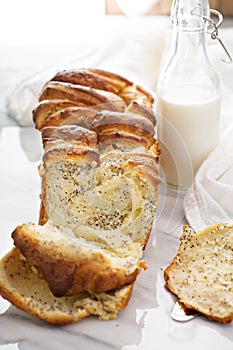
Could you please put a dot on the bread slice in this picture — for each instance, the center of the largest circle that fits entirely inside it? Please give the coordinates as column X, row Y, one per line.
column 72, row 264
column 25, row 287
column 117, row 124
column 95, row 78
column 68, row 135
column 201, row 274
column 75, row 115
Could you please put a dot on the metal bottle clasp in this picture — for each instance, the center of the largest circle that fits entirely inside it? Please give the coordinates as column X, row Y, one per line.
column 214, row 31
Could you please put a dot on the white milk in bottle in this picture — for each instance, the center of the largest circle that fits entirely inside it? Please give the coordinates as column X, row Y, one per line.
column 188, row 97
column 189, row 131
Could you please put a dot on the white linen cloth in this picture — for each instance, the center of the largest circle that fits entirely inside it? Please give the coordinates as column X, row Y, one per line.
column 210, row 198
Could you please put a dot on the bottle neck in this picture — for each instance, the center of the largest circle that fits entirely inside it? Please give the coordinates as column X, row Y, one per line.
column 188, row 62
column 189, row 14
column 190, row 44
column 189, row 30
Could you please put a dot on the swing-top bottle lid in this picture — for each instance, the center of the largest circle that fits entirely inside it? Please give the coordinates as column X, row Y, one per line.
column 189, row 13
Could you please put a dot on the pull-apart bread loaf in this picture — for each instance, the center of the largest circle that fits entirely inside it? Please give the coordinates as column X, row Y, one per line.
column 201, row 274
column 99, row 194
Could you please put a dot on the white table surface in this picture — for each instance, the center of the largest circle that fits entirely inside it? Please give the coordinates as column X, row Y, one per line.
column 145, row 323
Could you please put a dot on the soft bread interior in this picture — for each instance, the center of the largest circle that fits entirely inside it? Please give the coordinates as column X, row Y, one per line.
column 201, row 272
column 111, row 205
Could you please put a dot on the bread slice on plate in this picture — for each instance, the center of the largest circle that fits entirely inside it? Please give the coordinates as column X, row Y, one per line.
column 201, row 273
column 25, row 288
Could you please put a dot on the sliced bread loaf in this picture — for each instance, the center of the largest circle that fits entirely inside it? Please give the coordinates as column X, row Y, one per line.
column 99, row 197
column 26, row 288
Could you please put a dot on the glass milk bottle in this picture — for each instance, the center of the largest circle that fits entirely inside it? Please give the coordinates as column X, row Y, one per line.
column 188, row 96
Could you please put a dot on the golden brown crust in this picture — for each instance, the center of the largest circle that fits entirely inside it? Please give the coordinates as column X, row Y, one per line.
column 92, row 119
column 34, row 296
column 45, row 108
column 114, row 135
column 43, row 216
column 113, row 125
column 138, row 94
column 108, row 81
column 85, row 96
column 129, row 145
column 143, row 110
column 81, row 155
column 68, row 268
column 123, row 121
column 141, row 160
column 70, row 134
column 95, row 78
column 93, row 88
column 71, row 116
